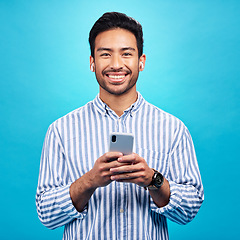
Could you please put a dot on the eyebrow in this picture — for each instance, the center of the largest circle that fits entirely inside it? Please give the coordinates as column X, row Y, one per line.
column 110, row 50
column 128, row 48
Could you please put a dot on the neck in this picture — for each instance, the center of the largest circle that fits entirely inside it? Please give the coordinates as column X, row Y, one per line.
column 119, row 103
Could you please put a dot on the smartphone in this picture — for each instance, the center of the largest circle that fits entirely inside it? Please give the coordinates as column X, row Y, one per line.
column 121, row 142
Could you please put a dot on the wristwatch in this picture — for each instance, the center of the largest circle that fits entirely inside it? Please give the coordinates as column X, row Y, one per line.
column 157, row 181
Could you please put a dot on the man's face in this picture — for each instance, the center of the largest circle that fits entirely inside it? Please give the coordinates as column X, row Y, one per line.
column 116, row 62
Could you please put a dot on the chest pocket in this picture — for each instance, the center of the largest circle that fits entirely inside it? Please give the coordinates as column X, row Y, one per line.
column 157, row 160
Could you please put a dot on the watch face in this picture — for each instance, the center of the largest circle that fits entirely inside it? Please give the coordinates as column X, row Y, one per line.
column 158, row 180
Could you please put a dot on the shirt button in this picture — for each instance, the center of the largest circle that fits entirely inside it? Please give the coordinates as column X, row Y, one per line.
column 121, row 210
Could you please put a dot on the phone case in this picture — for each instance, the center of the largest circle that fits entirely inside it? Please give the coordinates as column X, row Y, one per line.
column 121, row 142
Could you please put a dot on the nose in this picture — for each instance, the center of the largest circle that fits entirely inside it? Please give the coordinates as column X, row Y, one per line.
column 116, row 62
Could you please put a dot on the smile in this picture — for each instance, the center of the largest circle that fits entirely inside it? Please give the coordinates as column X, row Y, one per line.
column 116, row 76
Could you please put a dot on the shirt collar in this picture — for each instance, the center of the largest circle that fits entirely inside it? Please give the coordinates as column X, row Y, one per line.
column 103, row 107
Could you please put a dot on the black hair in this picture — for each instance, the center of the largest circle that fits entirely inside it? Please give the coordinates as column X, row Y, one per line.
column 112, row 20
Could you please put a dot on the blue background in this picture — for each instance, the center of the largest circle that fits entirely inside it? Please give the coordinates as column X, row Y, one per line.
column 192, row 71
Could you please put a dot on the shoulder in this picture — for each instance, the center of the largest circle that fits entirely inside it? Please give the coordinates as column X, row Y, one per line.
column 169, row 124
column 72, row 117
column 162, row 115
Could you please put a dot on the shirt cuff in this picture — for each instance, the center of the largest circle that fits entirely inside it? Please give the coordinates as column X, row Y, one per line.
column 64, row 201
column 174, row 201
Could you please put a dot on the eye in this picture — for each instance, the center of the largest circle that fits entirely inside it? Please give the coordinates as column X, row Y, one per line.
column 105, row 55
column 127, row 54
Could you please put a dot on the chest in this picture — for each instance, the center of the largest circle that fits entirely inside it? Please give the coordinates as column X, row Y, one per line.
column 89, row 140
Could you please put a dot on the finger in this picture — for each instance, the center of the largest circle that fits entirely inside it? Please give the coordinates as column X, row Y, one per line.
column 125, row 168
column 126, row 177
column 131, row 158
column 110, row 156
column 107, row 165
column 138, row 178
column 116, row 165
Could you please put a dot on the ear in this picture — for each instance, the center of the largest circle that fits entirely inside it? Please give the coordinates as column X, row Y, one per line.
column 142, row 61
column 92, row 66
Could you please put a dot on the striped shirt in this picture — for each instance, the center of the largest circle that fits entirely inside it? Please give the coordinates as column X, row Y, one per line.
column 119, row 210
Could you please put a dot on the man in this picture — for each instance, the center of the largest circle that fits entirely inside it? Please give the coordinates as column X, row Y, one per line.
column 98, row 194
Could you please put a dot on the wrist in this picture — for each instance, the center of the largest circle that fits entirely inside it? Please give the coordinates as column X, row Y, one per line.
column 88, row 181
column 156, row 182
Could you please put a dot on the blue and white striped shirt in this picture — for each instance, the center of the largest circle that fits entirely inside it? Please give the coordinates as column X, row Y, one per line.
column 119, row 210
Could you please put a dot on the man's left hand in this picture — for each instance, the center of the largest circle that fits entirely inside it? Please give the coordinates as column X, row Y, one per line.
column 137, row 171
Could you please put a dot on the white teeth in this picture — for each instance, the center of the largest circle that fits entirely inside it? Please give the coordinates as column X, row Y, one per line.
column 116, row 76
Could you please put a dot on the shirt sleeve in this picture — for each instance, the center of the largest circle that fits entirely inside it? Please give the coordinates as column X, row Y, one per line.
column 186, row 189
column 53, row 201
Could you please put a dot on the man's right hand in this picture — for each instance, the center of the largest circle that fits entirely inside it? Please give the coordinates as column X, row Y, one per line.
column 99, row 176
